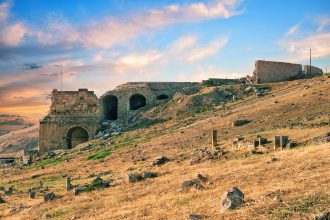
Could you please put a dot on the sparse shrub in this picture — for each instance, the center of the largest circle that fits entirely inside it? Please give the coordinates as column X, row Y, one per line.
column 97, row 183
column 308, row 204
column 48, row 162
column 99, row 155
column 183, row 201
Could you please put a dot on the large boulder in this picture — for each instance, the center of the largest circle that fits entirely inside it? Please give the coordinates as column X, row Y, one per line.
column 232, row 199
column 160, row 160
column 195, row 217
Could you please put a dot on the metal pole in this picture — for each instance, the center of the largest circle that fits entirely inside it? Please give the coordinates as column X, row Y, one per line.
column 61, row 78
column 310, row 61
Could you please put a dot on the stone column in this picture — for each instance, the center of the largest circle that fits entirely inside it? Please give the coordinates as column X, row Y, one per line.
column 214, row 138
column 68, row 183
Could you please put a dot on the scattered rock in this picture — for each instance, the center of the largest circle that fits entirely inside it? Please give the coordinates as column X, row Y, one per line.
column 45, row 216
column 196, row 183
column 323, row 138
column 2, row 201
column 35, row 176
column 189, row 183
column 201, row 177
column 272, row 159
column 92, row 175
column 232, row 199
column 97, row 183
column 160, row 160
column 237, row 123
column 138, row 158
column 51, row 154
column 325, row 216
column 147, row 174
column 134, row 177
column 248, row 89
column 9, row 191
column 49, row 196
column 76, row 191
column 16, row 208
column 195, row 217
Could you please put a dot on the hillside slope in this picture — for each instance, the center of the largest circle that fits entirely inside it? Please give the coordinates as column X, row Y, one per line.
column 295, row 185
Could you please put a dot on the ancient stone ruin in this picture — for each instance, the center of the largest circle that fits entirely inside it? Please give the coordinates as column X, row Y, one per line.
column 270, row 71
column 76, row 116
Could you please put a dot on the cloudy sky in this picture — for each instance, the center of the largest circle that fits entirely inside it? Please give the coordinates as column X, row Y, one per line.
column 103, row 43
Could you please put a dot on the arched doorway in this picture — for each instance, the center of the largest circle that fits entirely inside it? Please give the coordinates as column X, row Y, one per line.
column 110, row 107
column 76, row 135
column 137, row 101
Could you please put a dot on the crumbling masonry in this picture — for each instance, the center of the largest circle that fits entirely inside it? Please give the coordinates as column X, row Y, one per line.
column 76, row 116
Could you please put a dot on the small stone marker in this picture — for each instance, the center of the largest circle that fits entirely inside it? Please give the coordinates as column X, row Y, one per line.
column 214, row 138
column 68, row 183
column 32, row 194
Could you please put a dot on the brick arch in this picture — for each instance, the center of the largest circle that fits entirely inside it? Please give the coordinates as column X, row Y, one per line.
column 76, row 135
column 110, row 107
column 137, row 101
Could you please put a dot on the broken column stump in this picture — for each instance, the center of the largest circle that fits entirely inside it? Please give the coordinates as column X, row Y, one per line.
column 68, row 183
column 214, row 138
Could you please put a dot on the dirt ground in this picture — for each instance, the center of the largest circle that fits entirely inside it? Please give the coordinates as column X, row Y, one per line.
column 295, row 185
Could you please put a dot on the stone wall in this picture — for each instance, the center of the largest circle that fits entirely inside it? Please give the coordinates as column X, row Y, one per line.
column 217, row 81
column 150, row 90
column 270, row 71
column 315, row 71
column 69, row 110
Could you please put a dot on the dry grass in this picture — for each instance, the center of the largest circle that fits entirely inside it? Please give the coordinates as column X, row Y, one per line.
column 296, row 186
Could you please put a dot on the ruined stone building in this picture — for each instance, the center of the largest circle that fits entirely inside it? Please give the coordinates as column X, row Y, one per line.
column 75, row 116
column 270, row 71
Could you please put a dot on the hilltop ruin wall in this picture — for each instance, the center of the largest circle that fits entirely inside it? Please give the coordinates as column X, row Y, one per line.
column 270, row 71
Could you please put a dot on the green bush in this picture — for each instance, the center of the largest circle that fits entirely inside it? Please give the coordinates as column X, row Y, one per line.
column 99, row 155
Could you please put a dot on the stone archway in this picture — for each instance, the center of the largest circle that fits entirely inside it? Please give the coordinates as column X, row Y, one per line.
column 110, row 107
column 76, row 136
column 137, row 101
